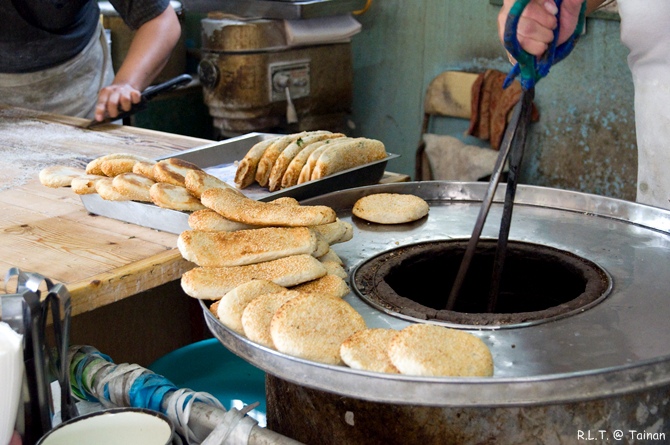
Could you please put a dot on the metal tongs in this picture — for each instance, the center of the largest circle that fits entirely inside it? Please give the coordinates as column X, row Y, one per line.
column 530, row 70
column 27, row 313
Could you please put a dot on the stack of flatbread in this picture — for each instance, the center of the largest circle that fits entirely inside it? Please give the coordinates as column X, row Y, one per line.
column 170, row 183
column 288, row 160
column 236, row 239
column 253, row 257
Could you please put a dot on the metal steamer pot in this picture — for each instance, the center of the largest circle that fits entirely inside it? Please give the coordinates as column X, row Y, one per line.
column 600, row 372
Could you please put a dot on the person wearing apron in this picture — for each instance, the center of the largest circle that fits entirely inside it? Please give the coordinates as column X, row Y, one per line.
column 54, row 56
column 645, row 31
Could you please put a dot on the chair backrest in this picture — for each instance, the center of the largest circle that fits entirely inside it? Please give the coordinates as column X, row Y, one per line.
column 449, row 94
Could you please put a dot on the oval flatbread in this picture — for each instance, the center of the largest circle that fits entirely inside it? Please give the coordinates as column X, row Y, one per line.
column 211, row 283
column 368, row 350
column 306, row 171
column 249, row 211
column 242, row 247
column 246, row 169
column 292, row 173
column 286, row 156
column 328, row 284
column 197, row 181
column 270, row 155
column 209, row 220
column 332, row 232
column 359, row 151
column 390, row 208
column 334, row 268
column 431, row 350
column 314, row 326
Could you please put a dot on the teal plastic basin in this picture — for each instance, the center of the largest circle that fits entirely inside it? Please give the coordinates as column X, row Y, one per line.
column 209, row 367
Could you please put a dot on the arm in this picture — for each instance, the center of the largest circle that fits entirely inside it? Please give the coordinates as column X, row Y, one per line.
column 535, row 30
column 149, row 51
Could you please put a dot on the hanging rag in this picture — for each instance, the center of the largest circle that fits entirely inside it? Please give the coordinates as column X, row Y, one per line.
column 491, row 105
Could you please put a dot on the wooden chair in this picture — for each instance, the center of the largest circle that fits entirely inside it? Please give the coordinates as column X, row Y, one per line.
column 448, row 95
column 464, row 150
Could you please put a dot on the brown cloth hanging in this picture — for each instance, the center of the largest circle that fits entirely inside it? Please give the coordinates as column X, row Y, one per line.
column 491, row 104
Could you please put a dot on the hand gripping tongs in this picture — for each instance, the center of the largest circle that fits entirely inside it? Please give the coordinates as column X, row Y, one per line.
column 148, row 94
column 530, row 70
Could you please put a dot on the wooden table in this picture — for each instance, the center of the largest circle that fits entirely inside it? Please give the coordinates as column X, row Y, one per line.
column 48, row 231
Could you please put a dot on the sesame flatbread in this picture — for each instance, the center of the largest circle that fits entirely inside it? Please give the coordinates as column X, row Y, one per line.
column 231, row 306
column 257, row 316
column 390, row 208
column 432, row 350
column 314, row 326
column 368, row 350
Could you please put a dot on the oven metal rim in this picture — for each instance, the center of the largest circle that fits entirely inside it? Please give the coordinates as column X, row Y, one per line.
column 627, row 374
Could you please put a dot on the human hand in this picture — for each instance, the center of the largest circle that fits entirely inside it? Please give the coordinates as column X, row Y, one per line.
column 535, row 30
column 15, row 440
column 114, row 99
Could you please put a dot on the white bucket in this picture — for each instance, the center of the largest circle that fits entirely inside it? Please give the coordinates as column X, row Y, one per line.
column 11, row 376
column 118, row 426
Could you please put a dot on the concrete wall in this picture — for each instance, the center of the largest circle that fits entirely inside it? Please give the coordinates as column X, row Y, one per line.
column 585, row 139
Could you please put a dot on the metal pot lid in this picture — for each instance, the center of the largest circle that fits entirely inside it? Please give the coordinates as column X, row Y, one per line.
column 618, row 346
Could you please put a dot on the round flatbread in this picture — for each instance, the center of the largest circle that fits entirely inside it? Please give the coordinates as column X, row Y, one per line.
column 431, row 350
column 174, row 197
column 257, row 315
column 232, row 305
column 95, row 166
column 106, row 190
column 85, row 184
column 115, row 167
column 133, row 186
column 390, row 208
column 173, row 171
column 368, row 350
column 145, row 168
column 59, row 175
column 314, row 326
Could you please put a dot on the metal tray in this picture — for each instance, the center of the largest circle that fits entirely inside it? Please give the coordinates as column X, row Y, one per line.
column 219, row 159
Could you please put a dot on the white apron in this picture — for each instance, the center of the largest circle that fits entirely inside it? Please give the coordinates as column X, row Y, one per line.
column 645, row 30
column 70, row 88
